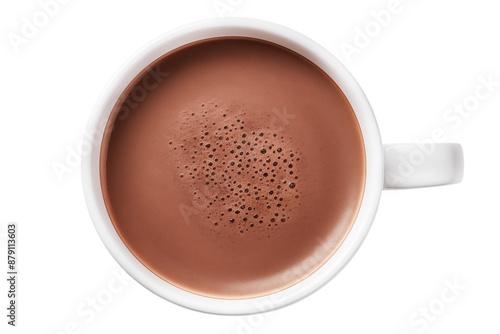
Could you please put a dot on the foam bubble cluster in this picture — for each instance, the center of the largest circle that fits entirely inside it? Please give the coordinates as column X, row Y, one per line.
column 243, row 175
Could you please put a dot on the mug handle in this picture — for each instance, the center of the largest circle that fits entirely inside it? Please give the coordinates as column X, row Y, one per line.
column 425, row 164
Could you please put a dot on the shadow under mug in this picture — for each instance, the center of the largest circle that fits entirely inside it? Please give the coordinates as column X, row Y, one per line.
column 387, row 166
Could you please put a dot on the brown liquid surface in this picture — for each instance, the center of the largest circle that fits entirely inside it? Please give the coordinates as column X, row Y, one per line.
column 238, row 173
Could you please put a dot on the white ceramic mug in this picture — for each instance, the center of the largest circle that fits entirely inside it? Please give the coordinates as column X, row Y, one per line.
column 393, row 166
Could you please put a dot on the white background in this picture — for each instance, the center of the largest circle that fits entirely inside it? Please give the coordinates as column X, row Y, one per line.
column 428, row 58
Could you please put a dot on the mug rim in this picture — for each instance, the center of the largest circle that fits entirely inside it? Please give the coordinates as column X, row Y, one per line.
column 235, row 27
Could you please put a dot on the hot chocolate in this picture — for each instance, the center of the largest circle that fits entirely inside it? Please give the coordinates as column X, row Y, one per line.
column 232, row 167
